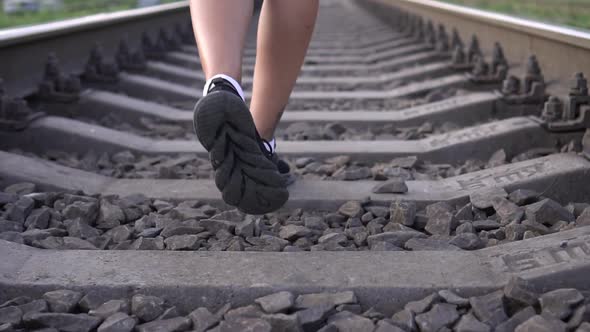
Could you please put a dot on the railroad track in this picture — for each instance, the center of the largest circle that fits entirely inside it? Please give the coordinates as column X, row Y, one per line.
column 438, row 184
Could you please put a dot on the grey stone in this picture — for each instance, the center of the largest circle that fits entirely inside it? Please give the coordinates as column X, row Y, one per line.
column 34, row 306
column 11, row 315
column 9, row 328
column 78, row 228
column 580, row 314
column 110, row 308
column 398, row 238
column 421, row 306
column 245, row 325
column 12, row 236
column 378, row 211
column 584, row 218
column 215, row 225
column 252, row 311
column 305, row 301
column 353, row 173
column 62, row 300
column 497, row 159
column 338, row 238
column 442, row 223
column 185, row 213
column 467, row 241
column 441, row 315
column 181, row 229
column 432, row 243
column 366, row 217
column 171, row 312
column 453, row 298
column 21, row 188
column 540, row 323
column 405, row 162
column 393, row 186
column 465, row 212
column 293, row 232
column 311, row 318
column 523, row 196
column 515, row 232
column 109, row 215
column 402, row 212
column 245, row 228
column 10, row 226
column 483, row 199
column 383, row 326
column 504, row 208
column 283, row 322
column 85, row 211
column 203, row 319
column 468, row 323
column 118, row 322
column 120, row 233
column 519, row 291
column 233, row 216
column 51, row 242
column 143, row 243
column 489, row 308
column 548, row 212
column 74, row 243
column 315, row 223
column 384, row 246
column 183, row 242
column 335, row 219
column 20, row 210
column 6, row 198
column 64, row 322
column 277, row 302
column 16, row 301
column 351, row 209
column 560, row 302
column 166, row 325
column 485, row 225
column 150, row 232
column 584, row 327
column 38, row 219
column 405, row 320
column 348, row 322
column 517, row 319
column 147, row 308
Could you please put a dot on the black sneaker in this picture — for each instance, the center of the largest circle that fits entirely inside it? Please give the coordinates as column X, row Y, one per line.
column 245, row 172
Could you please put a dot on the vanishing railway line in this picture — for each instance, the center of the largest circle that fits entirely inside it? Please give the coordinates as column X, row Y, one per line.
column 438, row 184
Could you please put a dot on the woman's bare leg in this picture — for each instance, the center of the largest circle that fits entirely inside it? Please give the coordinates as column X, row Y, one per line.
column 220, row 28
column 284, row 31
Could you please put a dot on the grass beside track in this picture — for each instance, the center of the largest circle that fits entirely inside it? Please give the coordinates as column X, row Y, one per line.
column 71, row 9
column 574, row 13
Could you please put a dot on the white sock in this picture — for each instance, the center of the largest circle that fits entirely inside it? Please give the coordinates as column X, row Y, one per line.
column 228, row 78
column 271, row 145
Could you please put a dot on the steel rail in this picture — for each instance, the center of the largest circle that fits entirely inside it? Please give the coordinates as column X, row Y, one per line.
column 23, row 51
column 561, row 50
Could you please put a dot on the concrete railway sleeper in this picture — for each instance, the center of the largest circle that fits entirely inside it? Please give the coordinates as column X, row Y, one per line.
column 435, row 185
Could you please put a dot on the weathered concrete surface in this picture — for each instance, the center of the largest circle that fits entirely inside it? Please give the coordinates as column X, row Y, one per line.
column 180, row 74
column 553, row 175
column 514, row 135
column 385, row 280
column 463, row 110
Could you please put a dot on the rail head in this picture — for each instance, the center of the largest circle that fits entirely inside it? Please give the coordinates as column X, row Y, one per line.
column 14, row 36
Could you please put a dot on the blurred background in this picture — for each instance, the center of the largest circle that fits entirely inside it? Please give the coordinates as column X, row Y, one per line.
column 575, row 13
column 26, row 12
